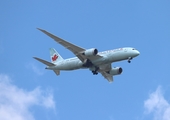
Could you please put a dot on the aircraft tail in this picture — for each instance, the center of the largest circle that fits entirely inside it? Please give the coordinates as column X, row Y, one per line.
column 49, row 64
column 55, row 56
column 44, row 61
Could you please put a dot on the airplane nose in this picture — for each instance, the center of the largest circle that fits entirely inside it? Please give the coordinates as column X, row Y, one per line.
column 138, row 53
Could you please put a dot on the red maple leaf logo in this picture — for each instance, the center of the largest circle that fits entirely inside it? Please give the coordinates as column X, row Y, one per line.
column 54, row 57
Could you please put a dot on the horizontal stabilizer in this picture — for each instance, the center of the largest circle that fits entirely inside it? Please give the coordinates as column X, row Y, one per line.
column 44, row 62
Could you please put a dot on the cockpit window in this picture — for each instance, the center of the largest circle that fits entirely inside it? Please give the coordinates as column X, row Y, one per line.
column 133, row 49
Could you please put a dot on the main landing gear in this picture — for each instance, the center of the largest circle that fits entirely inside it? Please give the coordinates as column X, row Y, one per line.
column 129, row 60
column 95, row 70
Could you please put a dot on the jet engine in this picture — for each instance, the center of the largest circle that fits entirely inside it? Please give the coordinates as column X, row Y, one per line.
column 90, row 52
column 115, row 71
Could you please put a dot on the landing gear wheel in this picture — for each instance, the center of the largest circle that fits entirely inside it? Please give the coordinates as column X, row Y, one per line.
column 94, row 72
column 129, row 60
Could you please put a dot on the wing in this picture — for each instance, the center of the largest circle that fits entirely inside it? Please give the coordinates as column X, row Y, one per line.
column 107, row 76
column 73, row 48
column 103, row 70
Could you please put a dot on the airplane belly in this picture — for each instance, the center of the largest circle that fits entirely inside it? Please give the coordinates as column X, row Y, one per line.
column 100, row 61
column 117, row 57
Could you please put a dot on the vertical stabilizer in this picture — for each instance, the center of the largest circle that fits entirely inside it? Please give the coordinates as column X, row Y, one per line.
column 55, row 56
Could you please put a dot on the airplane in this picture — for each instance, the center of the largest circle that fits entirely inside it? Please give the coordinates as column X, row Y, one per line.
column 96, row 62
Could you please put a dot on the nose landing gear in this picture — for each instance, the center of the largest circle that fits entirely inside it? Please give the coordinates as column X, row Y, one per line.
column 129, row 59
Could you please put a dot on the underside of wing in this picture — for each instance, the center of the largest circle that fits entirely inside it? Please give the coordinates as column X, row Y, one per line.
column 73, row 48
column 103, row 70
column 107, row 76
column 105, row 67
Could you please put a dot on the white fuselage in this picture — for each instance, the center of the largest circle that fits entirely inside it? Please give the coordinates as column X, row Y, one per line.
column 107, row 58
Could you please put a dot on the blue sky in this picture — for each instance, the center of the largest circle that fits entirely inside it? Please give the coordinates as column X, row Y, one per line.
column 29, row 92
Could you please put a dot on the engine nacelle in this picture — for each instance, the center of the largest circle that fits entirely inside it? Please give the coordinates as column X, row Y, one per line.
column 90, row 52
column 115, row 71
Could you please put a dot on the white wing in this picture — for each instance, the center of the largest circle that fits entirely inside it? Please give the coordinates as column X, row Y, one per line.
column 103, row 70
column 107, row 76
column 73, row 48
